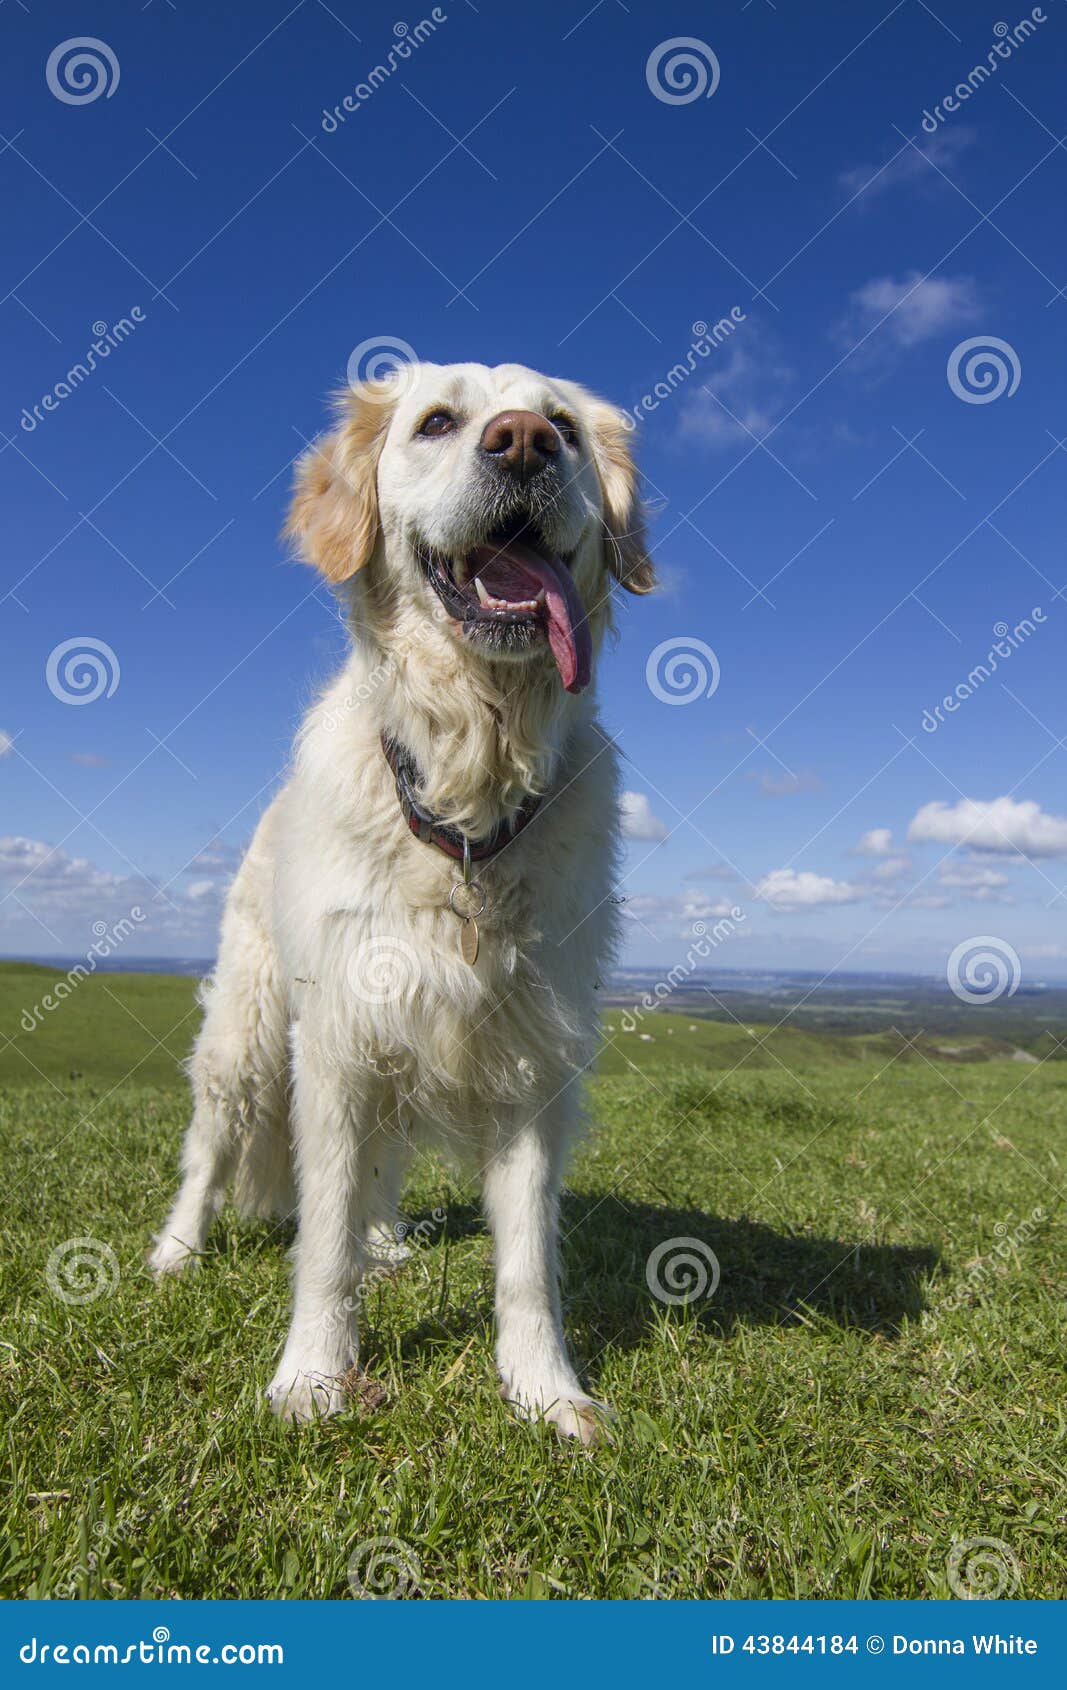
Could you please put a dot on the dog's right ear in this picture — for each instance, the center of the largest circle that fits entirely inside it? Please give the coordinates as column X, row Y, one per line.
column 611, row 432
column 333, row 519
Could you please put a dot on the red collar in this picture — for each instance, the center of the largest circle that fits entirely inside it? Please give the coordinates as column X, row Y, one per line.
column 431, row 830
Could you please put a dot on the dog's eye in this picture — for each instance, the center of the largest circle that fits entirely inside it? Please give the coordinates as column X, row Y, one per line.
column 568, row 428
column 438, row 422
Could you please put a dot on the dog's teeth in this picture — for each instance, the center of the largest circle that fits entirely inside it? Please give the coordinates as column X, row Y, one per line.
column 480, row 588
column 540, row 599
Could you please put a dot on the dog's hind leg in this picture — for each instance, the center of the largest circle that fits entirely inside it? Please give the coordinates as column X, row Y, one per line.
column 386, row 1250
column 239, row 1075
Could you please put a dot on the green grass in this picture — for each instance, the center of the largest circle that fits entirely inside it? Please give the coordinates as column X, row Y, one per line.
column 869, row 1383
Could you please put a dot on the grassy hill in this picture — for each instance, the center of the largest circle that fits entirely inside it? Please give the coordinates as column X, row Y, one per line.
column 106, row 1028
column 872, row 1375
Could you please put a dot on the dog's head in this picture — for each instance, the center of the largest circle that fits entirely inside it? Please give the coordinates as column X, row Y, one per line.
column 502, row 500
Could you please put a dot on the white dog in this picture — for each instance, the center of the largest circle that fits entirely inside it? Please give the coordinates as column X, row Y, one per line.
column 411, row 948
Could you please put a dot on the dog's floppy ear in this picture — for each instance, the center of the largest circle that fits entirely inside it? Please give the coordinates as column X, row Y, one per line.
column 626, row 542
column 333, row 519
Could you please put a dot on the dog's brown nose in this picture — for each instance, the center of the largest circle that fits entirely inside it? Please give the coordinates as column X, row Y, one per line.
column 521, row 442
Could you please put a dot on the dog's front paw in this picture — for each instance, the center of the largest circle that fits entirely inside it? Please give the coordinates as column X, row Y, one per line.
column 303, row 1394
column 171, row 1256
column 572, row 1413
column 583, row 1418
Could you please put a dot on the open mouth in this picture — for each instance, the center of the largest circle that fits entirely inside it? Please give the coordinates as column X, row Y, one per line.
column 513, row 590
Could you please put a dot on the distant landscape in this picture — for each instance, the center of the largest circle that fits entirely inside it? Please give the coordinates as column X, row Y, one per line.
column 718, row 1017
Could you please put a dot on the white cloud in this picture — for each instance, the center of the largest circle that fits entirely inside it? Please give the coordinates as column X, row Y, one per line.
column 787, row 889
column 6, row 744
column 891, row 868
column 970, row 875
column 43, row 889
column 743, row 396
column 918, row 165
column 877, row 842
column 90, row 759
column 638, row 821
column 688, row 907
column 979, row 885
column 199, row 891
column 1000, row 826
column 914, row 309
column 39, row 865
column 217, row 858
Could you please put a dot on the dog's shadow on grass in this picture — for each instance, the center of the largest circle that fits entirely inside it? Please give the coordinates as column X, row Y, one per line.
column 722, row 1273
column 626, row 1260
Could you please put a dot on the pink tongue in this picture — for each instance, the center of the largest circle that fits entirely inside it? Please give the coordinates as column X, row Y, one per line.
column 516, row 571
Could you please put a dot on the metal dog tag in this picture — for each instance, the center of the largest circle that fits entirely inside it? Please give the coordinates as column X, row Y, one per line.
column 471, row 906
column 468, row 941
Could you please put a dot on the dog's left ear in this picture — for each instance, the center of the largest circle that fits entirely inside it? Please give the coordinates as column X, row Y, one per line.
column 333, row 519
column 626, row 542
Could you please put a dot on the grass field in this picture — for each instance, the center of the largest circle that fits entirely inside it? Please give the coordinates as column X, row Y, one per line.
column 877, row 1378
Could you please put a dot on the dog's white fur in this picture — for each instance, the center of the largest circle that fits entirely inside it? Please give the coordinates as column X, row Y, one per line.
column 342, row 1026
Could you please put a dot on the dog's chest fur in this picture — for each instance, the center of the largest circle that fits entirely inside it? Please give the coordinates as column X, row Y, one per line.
column 371, row 950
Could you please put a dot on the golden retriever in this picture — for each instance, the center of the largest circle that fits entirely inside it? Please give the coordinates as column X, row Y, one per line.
column 411, row 948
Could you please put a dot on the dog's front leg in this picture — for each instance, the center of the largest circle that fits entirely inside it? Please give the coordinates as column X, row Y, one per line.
column 333, row 1125
column 521, row 1185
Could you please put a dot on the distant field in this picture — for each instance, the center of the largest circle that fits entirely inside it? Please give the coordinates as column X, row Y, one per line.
column 877, row 1378
column 140, row 1026
column 111, row 1027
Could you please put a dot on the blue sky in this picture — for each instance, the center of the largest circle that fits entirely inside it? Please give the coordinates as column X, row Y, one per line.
column 832, row 519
